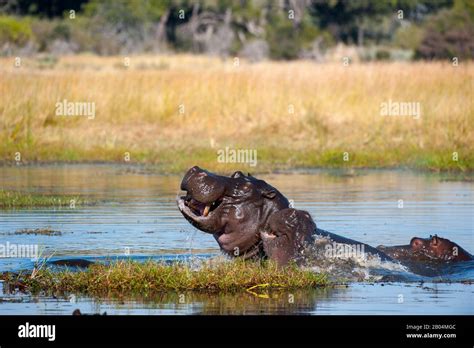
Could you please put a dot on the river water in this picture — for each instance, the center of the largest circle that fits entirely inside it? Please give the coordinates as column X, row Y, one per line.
column 136, row 217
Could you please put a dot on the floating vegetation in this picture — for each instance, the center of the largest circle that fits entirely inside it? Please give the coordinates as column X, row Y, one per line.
column 128, row 277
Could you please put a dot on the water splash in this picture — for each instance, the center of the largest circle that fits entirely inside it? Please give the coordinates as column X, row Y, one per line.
column 348, row 267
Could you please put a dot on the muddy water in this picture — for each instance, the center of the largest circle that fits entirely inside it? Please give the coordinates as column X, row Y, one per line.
column 137, row 217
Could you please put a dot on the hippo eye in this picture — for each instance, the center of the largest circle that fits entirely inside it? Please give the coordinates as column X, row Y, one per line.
column 434, row 240
column 268, row 193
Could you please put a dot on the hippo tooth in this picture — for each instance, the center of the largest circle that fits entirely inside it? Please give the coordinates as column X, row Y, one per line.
column 206, row 210
column 268, row 235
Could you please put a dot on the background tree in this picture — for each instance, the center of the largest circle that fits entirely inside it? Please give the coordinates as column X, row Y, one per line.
column 280, row 29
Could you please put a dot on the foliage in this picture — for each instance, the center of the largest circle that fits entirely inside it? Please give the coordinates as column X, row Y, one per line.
column 229, row 27
column 450, row 33
column 408, row 37
column 286, row 39
column 14, row 30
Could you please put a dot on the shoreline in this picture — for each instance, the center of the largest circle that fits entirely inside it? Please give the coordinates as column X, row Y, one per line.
column 166, row 169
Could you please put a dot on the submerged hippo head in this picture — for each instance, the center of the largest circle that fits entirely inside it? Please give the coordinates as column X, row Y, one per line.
column 434, row 249
column 288, row 232
column 233, row 209
column 439, row 248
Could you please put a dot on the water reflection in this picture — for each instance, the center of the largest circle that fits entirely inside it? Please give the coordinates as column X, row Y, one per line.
column 386, row 299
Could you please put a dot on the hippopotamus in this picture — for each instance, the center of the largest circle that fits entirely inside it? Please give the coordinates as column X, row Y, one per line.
column 81, row 263
column 251, row 219
column 235, row 209
column 290, row 232
column 427, row 249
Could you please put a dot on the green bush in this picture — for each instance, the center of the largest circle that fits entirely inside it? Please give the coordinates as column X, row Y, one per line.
column 15, row 31
column 408, row 37
column 46, row 31
column 449, row 33
column 382, row 54
column 81, row 32
column 286, row 41
column 43, row 32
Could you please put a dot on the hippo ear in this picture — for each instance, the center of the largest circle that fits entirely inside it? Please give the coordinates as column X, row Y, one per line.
column 416, row 242
column 268, row 193
column 237, row 174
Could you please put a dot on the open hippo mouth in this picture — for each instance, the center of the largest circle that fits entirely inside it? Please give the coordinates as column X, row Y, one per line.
column 205, row 192
column 200, row 208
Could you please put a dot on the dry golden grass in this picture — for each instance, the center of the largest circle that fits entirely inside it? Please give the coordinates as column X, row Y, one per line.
column 336, row 110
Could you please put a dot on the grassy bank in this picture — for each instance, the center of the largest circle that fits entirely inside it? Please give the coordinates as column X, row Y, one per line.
column 177, row 111
column 125, row 277
column 14, row 199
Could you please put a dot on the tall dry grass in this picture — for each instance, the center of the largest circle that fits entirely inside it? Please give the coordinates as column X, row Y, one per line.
column 336, row 110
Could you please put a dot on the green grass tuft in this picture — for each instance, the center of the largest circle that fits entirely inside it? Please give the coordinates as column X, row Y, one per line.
column 128, row 277
column 14, row 199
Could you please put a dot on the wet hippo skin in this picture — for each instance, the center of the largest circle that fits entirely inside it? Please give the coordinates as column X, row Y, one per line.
column 82, row 263
column 233, row 209
column 427, row 249
column 286, row 234
column 250, row 218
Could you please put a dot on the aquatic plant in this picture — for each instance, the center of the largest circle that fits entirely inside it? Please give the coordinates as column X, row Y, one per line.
column 127, row 277
column 38, row 231
column 15, row 199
